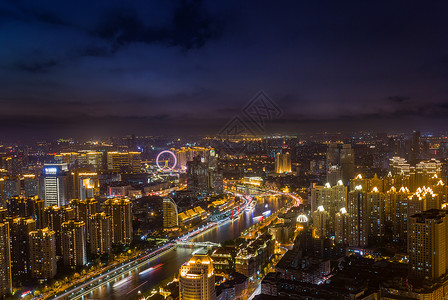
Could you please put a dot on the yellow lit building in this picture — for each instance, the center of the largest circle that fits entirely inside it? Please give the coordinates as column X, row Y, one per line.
column 197, row 279
column 43, row 254
column 5, row 261
column 73, row 234
column 119, row 161
column 100, row 233
column 428, row 245
column 170, row 213
column 282, row 163
column 121, row 216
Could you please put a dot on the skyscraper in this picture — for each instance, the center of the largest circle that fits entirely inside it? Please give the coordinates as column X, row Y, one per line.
column 342, row 233
column 83, row 184
column 5, row 261
column 320, row 222
column 282, row 163
column 332, row 198
column 358, row 217
column 347, row 161
column 43, row 254
column 398, row 200
column 31, row 185
column 120, row 212
column 73, row 235
column 35, row 207
column 83, row 209
column 197, row 279
column 54, row 217
column 53, row 185
column 376, row 212
column 100, row 233
column 20, row 246
column 203, row 176
column 170, row 213
column 428, row 245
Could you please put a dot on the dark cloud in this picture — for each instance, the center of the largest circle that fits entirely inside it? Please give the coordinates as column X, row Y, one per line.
column 191, row 27
column 398, row 99
column 36, row 66
column 145, row 66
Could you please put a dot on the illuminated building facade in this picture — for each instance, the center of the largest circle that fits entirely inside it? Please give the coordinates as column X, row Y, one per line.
column 31, row 185
column 320, row 222
column 83, row 209
column 53, row 185
column 124, row 161
column 204, row 176
column 5, row 261
column 332, row 198
column 43, row 254
column 54, row 217
column 121, row 217
column 342, row 232
column 282, row 163
column 185, row 155
column 20, row 246
column 398, row 201
column 100, row 233
column 376, row 201
column 170, row 213
column 358, row 217
column 83, row 184
column 197, row 279
column 73, row 235
column 427, row 247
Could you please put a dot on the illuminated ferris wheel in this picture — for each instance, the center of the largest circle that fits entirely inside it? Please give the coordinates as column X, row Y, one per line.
column 166, row 161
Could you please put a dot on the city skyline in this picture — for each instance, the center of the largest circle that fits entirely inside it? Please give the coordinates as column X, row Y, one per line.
column 187, row 67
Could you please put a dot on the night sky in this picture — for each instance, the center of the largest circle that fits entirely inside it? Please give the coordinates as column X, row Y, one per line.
column 78, row 68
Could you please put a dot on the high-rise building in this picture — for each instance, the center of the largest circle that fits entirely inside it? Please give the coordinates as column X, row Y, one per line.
column 124, row 161
column 358, row 217
column 43, row 254
column 347, row 161
column 428, row 244
column 423, row 199
column 332, row 155
column 83, row 184
column 35, row 207
column 197, row 279
column 53, row 185
column 100, row 233
column 20, row 246
column 9, row 187
column 332, row 198
column 204, row 176
column 398, row 165
column 73, row 235
column 5, row 261
column 54, row 217
column 120, row 212
column 83, row 209
column 185, row 155
column 415, row 146
column 17, row 206
column 30, row 185
column 397, row 212
column 170, row 213
column 424, row 171
column 320, row 222
column 3, row 214
column 376, row 213
column 282, row 163
column 342, row 233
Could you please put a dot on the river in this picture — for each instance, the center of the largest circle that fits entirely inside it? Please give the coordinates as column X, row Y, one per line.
column 166, row 265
